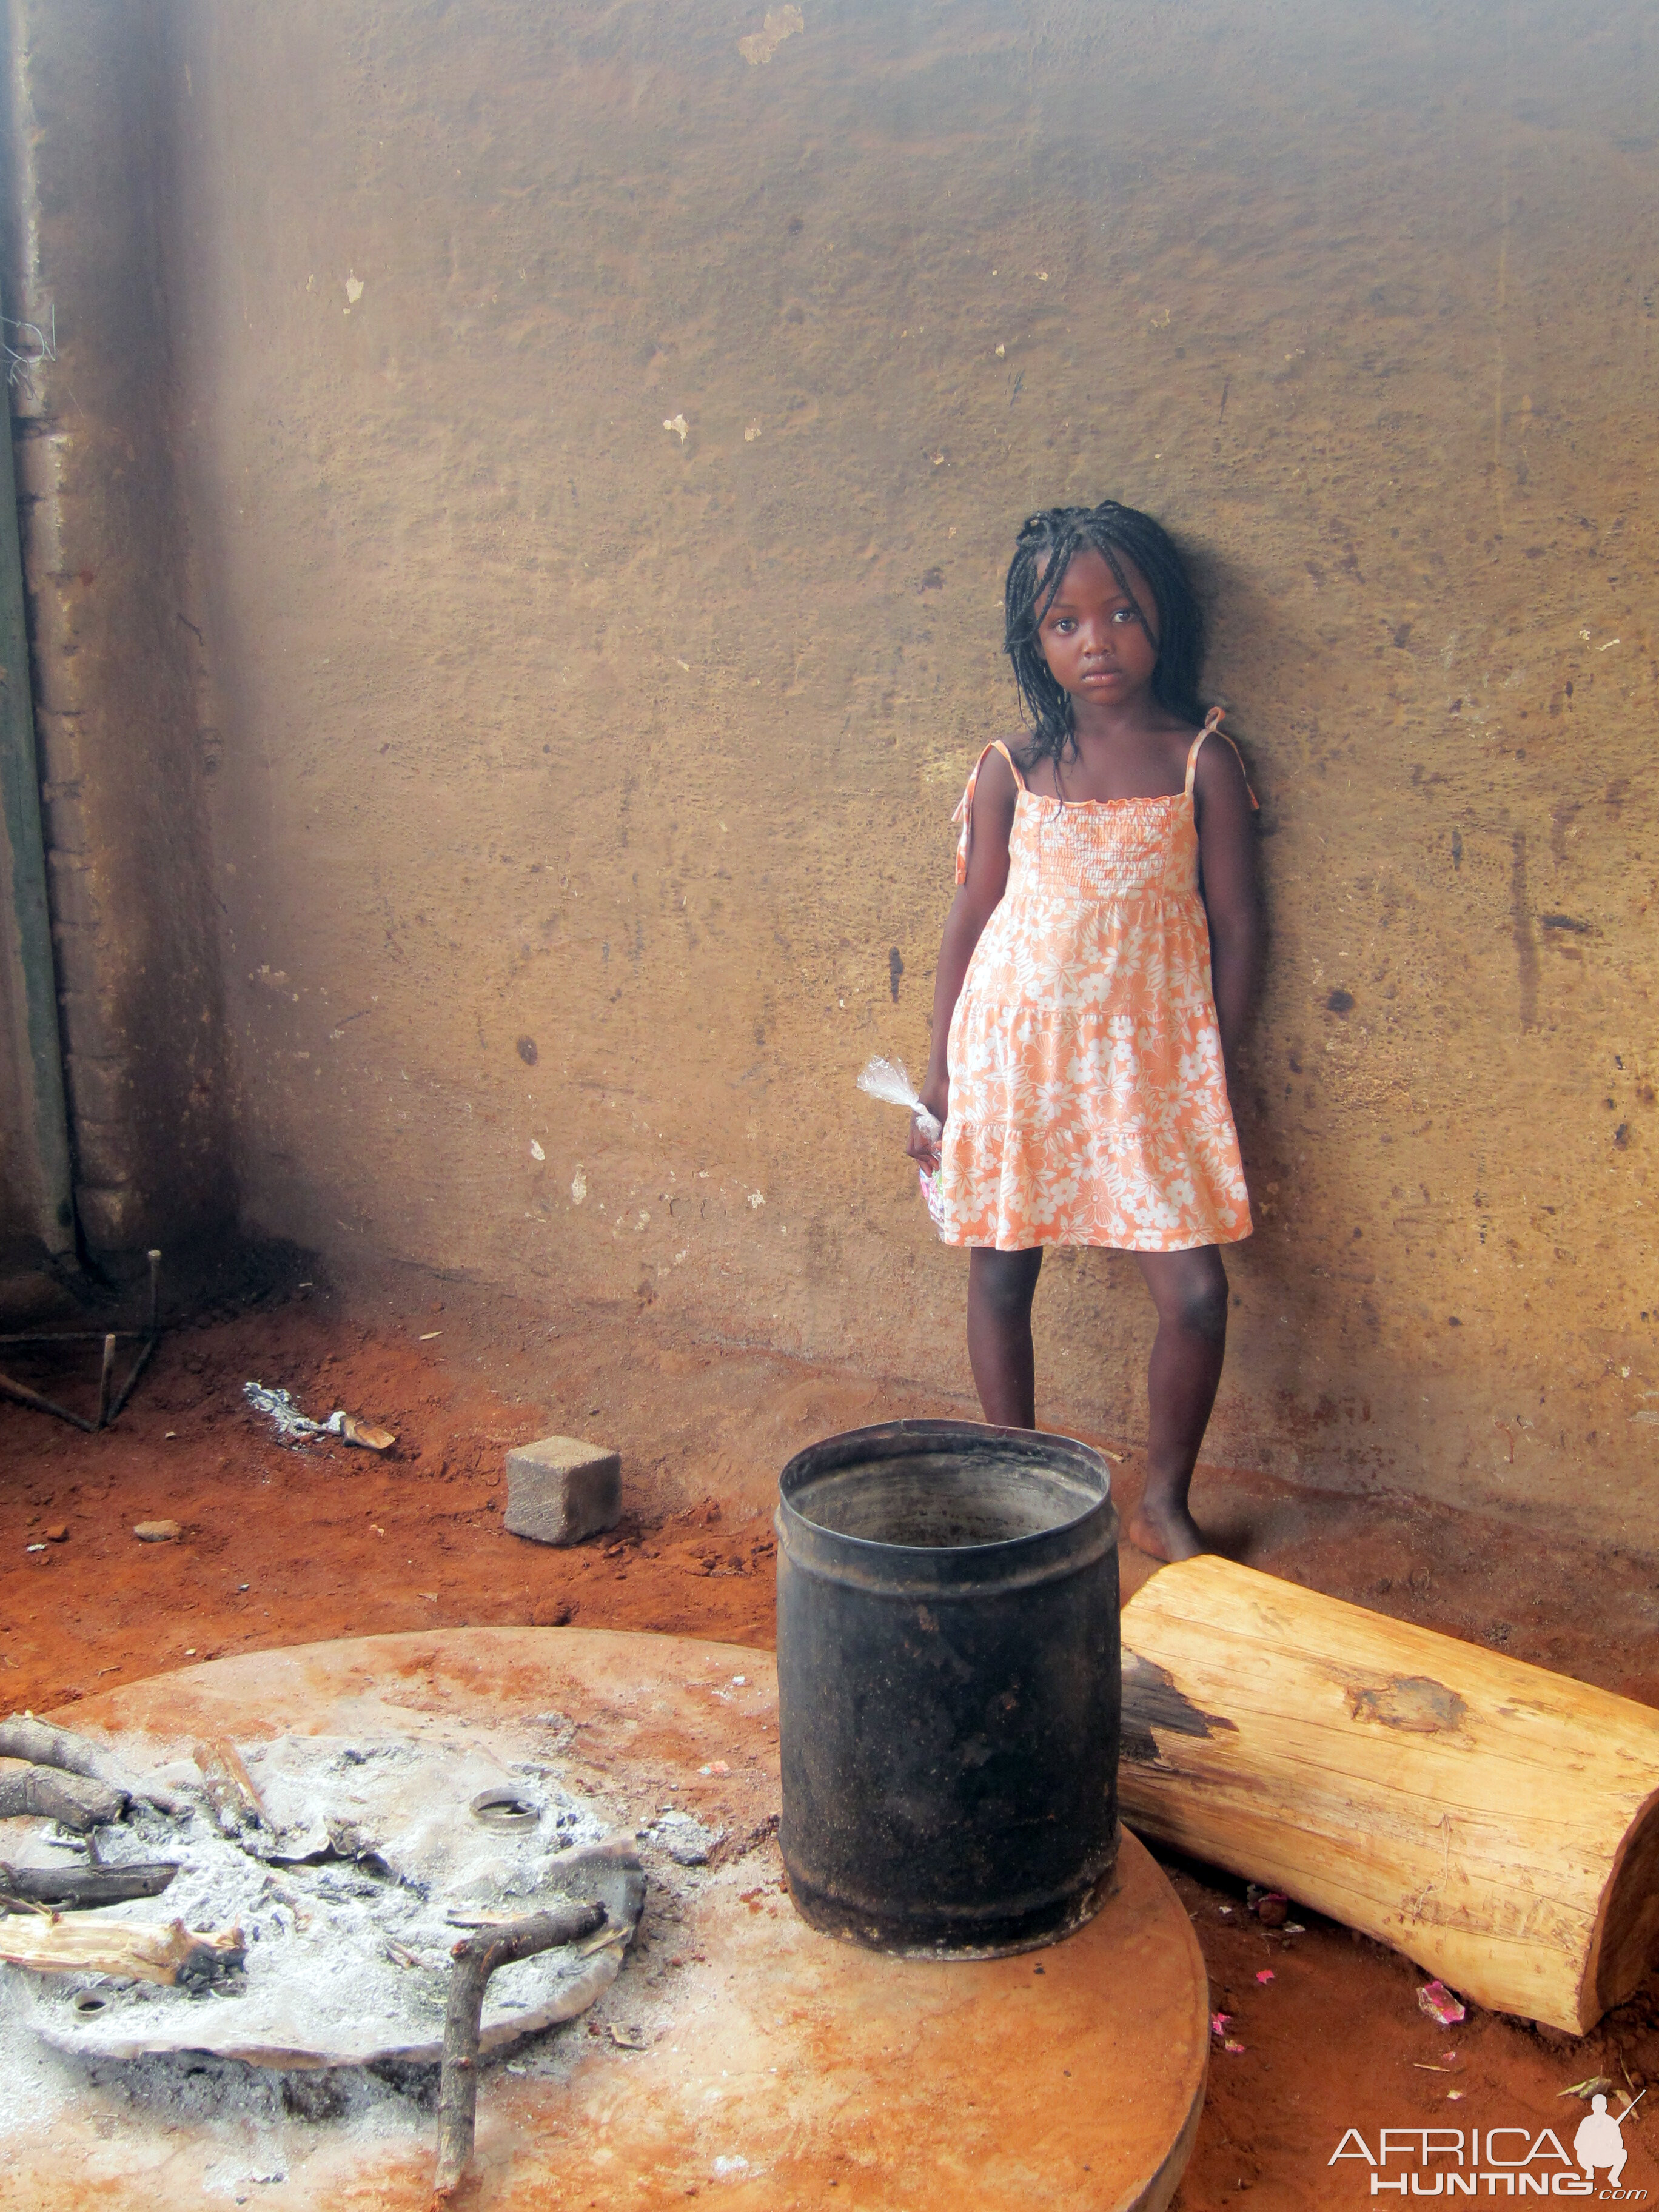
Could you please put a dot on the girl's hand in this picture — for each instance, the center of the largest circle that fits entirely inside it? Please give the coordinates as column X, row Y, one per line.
column 935, row 1096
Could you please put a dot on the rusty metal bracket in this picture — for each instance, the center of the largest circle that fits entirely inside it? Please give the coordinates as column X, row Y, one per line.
column 109, row 1400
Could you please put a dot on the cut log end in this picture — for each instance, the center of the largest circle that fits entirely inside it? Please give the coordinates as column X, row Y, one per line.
column 1627, row 1941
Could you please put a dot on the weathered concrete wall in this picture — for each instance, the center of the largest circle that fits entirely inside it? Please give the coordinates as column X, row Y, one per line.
column 581, row 814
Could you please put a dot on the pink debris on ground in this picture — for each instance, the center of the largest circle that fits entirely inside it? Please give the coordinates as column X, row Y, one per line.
column 1435, row 1999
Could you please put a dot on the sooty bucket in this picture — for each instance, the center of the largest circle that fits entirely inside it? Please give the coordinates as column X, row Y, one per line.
column 948, row 1686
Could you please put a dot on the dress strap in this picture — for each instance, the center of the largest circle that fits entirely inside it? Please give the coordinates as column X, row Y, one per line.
column 1213, row 728
column 964, row 812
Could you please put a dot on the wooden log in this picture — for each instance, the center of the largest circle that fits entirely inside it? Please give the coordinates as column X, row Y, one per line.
column 475, row 1960
column 52, row 1794
column 22, row 1736
column 1497, row 1823
column 125, row 1948
column 76, row 1888
column 237, row 1804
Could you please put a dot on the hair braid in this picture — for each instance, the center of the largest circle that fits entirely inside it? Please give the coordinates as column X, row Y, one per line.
column 1045, row 548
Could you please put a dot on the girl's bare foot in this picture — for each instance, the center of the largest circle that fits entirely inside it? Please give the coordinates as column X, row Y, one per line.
column 1169, row 1533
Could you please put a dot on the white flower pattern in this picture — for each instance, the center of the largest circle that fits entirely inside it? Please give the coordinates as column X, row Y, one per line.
column 1088, row 1095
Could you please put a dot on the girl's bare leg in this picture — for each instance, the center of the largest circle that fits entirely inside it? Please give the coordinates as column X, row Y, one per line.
column 1001, row 1288
column 1189, row 1290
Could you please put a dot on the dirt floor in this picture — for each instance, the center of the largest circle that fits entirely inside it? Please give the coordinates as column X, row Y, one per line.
column 283, row 1545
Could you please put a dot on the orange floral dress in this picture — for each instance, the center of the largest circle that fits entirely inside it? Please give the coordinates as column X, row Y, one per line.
column 1088, row 1097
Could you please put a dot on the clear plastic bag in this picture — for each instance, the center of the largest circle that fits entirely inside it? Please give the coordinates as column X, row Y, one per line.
column 887, row 1081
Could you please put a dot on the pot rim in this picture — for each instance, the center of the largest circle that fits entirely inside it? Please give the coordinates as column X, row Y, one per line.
column 914, row 1437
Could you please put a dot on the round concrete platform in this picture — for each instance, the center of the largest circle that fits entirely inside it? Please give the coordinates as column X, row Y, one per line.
column 778, row 2068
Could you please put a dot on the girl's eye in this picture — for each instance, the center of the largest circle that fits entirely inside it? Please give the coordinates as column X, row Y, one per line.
column 1066, row 623
column 1123, row 614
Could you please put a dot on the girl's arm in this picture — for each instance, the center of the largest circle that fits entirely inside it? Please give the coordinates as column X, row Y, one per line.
column 1226, row 853
column 990, row 823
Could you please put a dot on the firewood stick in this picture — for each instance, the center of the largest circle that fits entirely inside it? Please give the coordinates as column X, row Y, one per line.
column 171, row 1954
column 235, row 1801
column 475, row 1960
column 26, row 1905
column 22, row 1736
column 73, row 1889
column 52, row 1794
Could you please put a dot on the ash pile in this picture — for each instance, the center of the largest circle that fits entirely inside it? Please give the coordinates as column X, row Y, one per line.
column 313, row 1902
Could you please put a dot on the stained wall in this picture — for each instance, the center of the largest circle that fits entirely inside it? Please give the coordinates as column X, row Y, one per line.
column 598, row 434
column 114, row 658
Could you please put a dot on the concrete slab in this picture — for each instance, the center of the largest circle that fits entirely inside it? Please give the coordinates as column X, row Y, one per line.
column 773, row 2064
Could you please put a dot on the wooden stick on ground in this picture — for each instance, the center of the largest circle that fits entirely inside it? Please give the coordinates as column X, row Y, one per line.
column 236, row 1804
column 475, row 1960
column 52, row 1794
column 22, row 1736
column 74, row 1888
column 171, row 1953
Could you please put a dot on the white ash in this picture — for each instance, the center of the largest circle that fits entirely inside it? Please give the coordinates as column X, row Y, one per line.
column 684, row 1837
column 248, row 2113
column 293, row 1427
column 347, row 1962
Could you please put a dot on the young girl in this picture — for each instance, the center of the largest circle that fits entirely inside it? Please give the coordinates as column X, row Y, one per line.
column 1095, row 980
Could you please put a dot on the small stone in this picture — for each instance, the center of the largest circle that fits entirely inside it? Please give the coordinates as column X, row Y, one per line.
column 157, row 1532
column 58, row 1533
column 560, row 1489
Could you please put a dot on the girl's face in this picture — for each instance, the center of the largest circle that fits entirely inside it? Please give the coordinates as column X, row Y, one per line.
column 1093, row 636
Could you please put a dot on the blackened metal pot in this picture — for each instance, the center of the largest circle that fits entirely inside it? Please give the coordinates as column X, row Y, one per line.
column 948, row 1686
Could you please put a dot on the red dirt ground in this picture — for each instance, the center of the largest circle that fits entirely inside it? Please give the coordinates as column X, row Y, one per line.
column 283, row 1546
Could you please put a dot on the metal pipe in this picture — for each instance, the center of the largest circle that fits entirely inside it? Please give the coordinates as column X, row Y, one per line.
column 104, row 1376
column 24, row 1397
column 108, row 1409
column 40, row 1046
column 138, row 1367
column 75, row 1336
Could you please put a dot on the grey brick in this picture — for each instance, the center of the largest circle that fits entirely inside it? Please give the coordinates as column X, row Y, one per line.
column 560, row 1490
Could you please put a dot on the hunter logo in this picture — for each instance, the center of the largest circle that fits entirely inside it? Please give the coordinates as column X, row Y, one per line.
column 1496, row 2162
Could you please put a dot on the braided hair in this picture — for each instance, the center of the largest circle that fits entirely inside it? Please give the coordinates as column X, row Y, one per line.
column 1046, row 547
